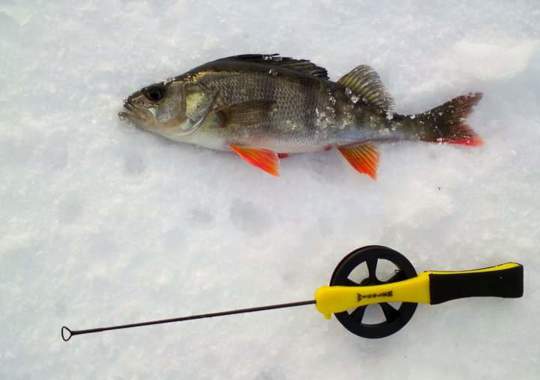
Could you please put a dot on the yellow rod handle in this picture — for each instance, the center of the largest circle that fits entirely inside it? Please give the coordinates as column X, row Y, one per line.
column 335, row 299
column 432, row 287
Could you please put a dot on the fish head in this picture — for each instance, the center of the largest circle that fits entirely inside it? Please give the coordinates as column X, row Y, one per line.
column 159, row 108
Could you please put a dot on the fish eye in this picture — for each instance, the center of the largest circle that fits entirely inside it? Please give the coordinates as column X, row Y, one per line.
column 154, row 93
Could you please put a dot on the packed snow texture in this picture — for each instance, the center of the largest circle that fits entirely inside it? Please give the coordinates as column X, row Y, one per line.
column 106, row 224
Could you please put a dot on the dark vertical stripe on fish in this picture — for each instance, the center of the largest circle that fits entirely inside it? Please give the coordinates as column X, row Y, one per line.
column 269, row 93
column 309, row 102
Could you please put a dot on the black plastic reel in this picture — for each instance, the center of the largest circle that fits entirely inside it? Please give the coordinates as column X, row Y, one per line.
column 395, row 319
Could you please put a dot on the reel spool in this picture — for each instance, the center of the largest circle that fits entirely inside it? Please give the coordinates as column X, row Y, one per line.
column 394, row 318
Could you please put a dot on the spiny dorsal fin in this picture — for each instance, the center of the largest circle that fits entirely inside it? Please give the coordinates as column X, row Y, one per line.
column 300, row 65
column 365, row 83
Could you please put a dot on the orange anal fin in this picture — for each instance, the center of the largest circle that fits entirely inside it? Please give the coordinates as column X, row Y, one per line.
column 264, row 159
column 363, row 157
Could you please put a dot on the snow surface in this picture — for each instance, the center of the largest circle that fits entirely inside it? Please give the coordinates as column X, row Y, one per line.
column 105, row 224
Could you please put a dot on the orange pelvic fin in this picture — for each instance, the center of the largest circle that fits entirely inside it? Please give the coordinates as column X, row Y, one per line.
column 363, row 157
column 264, row 159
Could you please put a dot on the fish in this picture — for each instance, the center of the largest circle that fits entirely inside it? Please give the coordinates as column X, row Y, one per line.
column 263, row 107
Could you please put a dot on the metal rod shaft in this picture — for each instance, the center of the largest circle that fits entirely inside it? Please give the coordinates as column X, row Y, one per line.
column 66, row 333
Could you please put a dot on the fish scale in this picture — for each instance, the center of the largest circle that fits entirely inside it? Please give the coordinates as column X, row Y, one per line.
column 263, row 106
column 294, row 102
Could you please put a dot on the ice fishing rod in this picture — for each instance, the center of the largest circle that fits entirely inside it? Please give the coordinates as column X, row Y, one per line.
column 67, row 333
column 348, row 298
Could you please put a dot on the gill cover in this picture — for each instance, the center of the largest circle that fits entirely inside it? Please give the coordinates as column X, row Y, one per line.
column 198, row 102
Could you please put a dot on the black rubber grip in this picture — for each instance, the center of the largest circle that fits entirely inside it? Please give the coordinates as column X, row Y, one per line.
column 506, row 283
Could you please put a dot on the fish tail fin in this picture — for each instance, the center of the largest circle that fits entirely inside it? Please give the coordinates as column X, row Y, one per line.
column 446, row 123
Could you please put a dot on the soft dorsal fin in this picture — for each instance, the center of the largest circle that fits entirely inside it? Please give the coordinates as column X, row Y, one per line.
column 365, row 83
column 300, row 65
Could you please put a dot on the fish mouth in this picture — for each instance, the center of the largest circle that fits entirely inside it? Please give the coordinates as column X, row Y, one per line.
column 136, row 115
column 129, row 112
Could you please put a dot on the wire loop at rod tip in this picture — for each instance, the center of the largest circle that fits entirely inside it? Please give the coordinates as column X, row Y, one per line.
column 66, row 333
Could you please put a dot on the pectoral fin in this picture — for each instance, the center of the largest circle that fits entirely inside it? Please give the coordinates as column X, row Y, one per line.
column 245, row 114
column 264, row 159
column 363, row 157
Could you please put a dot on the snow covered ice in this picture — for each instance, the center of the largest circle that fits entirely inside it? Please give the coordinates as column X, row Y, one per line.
column 105, row 224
